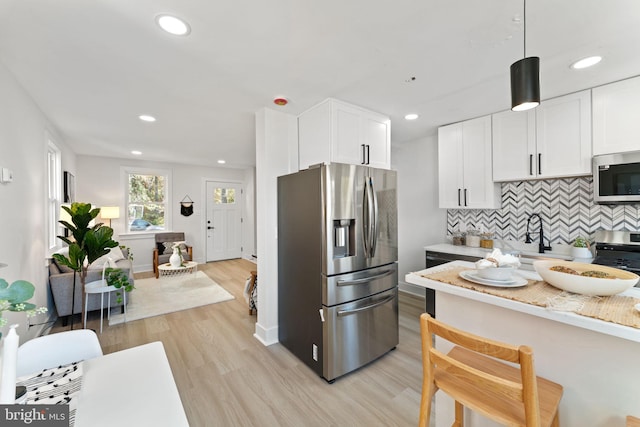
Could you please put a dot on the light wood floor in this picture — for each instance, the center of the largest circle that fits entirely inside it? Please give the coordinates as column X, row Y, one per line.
column 228, row 378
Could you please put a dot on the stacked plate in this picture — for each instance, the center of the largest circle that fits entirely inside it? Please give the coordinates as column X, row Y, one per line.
column 514, row 282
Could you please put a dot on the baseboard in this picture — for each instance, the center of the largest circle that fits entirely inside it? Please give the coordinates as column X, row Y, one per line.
column 266, row 336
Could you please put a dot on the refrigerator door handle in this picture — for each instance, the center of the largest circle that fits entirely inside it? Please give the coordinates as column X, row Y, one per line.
column 369, row 214
column 364, row 279
column 366, row 307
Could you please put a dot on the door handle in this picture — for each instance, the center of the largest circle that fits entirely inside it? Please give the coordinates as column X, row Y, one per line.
column 210, row 228
column 465, row 197
column 530, row 164
column 365, row 279
column 458, row 197
column 368, row 154
column 366, row 307
column 363, row 155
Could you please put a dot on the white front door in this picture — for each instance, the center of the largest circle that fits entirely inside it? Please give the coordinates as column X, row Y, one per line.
column 224, row 220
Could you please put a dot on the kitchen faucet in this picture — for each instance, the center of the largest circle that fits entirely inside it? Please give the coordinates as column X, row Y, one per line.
column 541, row 246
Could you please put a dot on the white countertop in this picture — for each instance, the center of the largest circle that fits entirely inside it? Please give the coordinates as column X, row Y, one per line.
column 569, row 318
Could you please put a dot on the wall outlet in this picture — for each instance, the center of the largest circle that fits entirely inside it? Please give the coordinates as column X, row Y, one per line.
column 6, row 175
column 315, row 352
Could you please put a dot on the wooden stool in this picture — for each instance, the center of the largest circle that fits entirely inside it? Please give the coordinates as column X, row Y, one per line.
column 633, row 421
column 510, row 395
column 252, row 286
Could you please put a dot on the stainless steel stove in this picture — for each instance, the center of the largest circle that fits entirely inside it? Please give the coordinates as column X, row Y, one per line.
column 619, row 249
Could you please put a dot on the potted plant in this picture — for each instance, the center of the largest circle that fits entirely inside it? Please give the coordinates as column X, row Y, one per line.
column 86, row 244
column 14, row 297
column 581, row 248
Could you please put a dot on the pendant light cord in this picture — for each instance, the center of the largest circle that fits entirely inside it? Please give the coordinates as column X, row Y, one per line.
column 524, row 15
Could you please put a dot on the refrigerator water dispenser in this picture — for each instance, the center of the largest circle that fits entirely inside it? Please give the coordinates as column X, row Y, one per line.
column 343, row 235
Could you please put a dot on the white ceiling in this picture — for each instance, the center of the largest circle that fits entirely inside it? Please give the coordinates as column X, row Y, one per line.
column 93, row 66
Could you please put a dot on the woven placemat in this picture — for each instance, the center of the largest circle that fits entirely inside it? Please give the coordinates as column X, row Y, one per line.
column 616, row 309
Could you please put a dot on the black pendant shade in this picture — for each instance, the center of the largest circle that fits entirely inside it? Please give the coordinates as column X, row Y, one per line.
column 525, row 83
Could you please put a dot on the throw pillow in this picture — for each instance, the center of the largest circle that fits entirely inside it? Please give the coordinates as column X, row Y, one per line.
column 115, row 254
column 166, row 248
column 63, row 268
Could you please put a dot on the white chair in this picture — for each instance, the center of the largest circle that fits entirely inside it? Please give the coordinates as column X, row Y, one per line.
column 101, row 287
column 57, row 349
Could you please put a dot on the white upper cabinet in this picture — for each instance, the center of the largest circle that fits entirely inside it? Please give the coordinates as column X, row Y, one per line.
column 464, row 166
column 616, row 117
column 334, row 131
column 552, row 141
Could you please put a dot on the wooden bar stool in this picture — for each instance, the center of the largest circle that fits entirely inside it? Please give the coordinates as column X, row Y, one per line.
column 504, row 393
column 633, row 421
column 254, row 282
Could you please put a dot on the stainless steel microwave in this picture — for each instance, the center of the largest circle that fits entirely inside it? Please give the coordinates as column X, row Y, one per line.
column 616, row 178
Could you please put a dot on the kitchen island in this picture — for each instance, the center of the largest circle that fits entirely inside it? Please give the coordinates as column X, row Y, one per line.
column 597, row 362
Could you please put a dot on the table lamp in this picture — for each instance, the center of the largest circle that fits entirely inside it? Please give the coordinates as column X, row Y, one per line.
column 110, row 212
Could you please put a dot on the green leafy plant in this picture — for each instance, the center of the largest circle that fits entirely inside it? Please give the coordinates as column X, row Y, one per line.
column 581, row 242
column 87, row 243
column 118, row 279
column 14, row 297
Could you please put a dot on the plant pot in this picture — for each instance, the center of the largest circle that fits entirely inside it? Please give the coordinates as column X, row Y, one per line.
column 175, row 259
column 583, row 253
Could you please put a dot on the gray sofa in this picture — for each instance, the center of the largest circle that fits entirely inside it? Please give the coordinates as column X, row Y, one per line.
column 61, row 282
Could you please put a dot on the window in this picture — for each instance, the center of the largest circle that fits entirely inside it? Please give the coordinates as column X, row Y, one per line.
column 147, row 204
column 54, row 177
column 224, row 196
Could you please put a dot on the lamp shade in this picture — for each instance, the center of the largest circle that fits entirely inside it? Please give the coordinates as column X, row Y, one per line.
column 525, row 84
column 110, row 212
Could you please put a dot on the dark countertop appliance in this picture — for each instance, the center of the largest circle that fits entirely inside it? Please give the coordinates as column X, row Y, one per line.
column 618, row 249
column 337, row 266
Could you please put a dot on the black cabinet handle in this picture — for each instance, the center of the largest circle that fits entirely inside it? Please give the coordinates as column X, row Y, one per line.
column 530, row 164
column 539, row 164
column 465, row 197
column 363, row 155
column 368, row 154
column 458, row 197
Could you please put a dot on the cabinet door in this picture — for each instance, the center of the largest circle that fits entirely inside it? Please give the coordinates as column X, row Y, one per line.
column 616, row 109
column 479, row 191
column 314, row 134
column 346, row 141
column 563, row 136
column 514, row 145
column 376, row 132
column 450, row 179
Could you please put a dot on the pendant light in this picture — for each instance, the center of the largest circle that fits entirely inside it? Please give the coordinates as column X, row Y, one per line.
column 525, row 78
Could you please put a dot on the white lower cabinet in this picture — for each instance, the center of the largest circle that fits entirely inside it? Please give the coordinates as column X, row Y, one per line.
column 552, row 141
column 616, row 109
column 464, row 166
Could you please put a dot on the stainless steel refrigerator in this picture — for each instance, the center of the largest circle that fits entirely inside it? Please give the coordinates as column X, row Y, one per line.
column 337, row 266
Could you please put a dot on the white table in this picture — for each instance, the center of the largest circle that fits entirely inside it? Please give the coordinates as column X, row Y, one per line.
column 168, row 270
column 597, row 362
column 100, row 287
column 133, row 387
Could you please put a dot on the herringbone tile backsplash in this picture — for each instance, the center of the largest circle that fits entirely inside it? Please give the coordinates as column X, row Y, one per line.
column 565, row 205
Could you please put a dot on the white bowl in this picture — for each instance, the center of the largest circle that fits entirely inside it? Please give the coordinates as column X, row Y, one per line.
column 496, row 273
column 582, row 284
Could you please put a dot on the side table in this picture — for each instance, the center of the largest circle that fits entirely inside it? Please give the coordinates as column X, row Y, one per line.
column 168, row 270
column 100, row 287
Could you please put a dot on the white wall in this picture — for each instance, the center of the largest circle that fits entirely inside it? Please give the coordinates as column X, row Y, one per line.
column 23, row 148
column 276, row 154
column 420, row 221
column 100, row 180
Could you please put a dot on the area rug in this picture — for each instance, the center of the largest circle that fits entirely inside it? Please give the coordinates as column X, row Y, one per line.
column 153, row 297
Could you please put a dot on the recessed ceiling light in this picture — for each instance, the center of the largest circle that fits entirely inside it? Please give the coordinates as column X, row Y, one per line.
column 147, row 118
column 222, row 162
column 412, row 116
column 173, row 25
column 136, row 153
column 586, row 62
